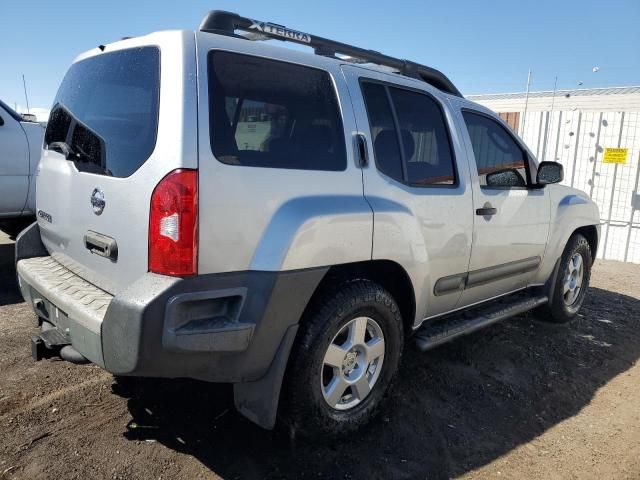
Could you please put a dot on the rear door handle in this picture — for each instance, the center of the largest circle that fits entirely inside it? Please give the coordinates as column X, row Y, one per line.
column 486, row 211
column 360, row 142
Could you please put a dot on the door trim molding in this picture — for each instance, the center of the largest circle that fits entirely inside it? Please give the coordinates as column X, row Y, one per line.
column 450, row 284
column 463, row 281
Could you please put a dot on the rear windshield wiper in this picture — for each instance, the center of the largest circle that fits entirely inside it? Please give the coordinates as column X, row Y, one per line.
column 68, row 152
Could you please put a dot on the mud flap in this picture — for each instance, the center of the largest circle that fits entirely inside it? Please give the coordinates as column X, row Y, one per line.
column 550, row 285
column 258, row 401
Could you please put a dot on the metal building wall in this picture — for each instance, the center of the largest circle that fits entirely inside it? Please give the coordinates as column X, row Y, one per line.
column 577, row 139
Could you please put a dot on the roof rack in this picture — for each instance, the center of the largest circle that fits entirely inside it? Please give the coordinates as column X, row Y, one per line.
column 226, row 23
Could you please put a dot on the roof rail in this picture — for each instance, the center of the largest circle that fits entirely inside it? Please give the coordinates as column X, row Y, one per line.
column 226, row 23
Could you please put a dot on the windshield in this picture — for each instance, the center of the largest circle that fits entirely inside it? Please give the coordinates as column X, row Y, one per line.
column 106, row 111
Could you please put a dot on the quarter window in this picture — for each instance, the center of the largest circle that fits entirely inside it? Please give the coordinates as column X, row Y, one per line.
column 413, row 120
column 493, row 147
column 267, row 113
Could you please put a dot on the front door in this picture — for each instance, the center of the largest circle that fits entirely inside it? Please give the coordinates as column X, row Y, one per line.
column 511, row 225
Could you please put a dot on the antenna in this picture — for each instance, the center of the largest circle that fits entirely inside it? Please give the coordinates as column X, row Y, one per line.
column 24, row 84
column 526, row 104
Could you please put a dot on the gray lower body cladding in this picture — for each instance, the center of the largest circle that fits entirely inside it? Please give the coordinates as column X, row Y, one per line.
column 239, row 345
column 218, row 327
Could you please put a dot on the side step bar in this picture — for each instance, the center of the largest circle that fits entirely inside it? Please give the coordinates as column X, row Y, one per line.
column 434, row 334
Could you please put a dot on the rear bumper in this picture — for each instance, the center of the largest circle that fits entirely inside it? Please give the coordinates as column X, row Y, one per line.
column 219, row 327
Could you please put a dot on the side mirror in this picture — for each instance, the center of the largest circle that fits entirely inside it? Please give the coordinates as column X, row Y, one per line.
column 1, row 121
column 550, row 172
column 505, row 178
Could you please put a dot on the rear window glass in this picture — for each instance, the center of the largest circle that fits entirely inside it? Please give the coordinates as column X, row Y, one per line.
column 397, row 115
column 383, row 130
column 425, row 140
column 106, row 111
column 267, row 113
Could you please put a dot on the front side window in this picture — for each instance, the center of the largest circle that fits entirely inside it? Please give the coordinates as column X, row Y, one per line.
column 267, row 113
column 493, row 147
column 410, row 138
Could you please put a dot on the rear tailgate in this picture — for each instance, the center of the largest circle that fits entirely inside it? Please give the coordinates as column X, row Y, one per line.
column 120, row 123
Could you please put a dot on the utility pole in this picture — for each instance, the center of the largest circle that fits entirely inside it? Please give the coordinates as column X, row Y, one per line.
column 526, row 103
column 555, row 89
column 553, row 99
column 24, row 84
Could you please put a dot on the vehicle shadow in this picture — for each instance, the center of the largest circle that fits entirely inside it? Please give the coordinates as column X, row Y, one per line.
column 9, row 291
column 452, row 410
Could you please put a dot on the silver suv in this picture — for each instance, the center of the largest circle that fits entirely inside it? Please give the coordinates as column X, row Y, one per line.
column 214, row 207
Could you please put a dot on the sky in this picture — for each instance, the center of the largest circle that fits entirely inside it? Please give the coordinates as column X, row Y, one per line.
column 484, row 46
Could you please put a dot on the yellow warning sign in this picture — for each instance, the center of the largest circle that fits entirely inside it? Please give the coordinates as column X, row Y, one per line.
column 615, row 155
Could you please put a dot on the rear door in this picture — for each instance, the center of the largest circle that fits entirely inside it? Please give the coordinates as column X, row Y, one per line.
column 14, row 165
column 123, row 118
column 417, row 183
column 511, row 225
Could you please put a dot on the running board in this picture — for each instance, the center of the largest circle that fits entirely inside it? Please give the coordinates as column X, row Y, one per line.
column 434, row 334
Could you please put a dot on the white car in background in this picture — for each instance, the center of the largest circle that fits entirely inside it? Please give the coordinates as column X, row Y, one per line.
column 20, row 146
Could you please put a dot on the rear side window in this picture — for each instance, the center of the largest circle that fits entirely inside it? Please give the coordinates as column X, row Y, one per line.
column 384, row 137
column 493, row 147
column 426, row 147
column 413, row 120
column 106, row 111
column 267, row 113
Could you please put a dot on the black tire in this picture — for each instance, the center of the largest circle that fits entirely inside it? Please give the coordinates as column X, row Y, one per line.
column 303, row 408
column 558, row 310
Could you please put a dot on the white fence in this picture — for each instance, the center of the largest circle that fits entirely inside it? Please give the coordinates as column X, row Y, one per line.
column 577, row 139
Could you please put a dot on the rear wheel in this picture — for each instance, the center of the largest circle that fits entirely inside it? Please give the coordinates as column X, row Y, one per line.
column 571, row 283
column 345, row 357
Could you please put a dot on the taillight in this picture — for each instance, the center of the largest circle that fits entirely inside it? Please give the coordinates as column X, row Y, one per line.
column 173, row 223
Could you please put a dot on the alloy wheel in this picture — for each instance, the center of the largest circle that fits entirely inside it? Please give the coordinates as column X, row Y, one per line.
column 352, row 363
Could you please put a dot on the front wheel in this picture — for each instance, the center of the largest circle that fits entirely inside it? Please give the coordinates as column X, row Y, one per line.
column 571, row 282
column 347, row 352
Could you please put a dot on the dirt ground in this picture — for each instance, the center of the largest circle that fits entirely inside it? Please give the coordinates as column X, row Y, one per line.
column 522, row 399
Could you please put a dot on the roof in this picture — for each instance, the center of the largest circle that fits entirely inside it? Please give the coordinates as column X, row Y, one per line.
column 581, row 92
column 226, row 23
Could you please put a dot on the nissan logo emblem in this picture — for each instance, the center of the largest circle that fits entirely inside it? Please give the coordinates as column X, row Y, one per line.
column 97, row 201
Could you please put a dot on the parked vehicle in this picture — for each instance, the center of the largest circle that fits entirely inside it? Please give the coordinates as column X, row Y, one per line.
column 20, row 147
column 227, row 210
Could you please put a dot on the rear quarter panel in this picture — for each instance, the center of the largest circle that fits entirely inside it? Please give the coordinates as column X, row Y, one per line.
column 273, row 219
